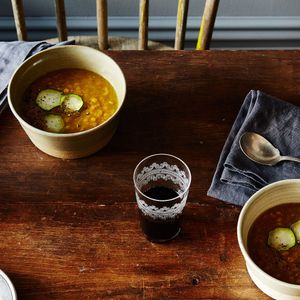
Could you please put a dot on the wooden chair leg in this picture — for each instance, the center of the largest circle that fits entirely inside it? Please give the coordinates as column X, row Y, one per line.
column 102, row 24
column 143, row 26
column 18, row 11
column 207, row 24
column 181, row 24
column 61, row 20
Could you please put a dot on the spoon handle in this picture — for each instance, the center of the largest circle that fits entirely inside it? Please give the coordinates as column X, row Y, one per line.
column 290, row 158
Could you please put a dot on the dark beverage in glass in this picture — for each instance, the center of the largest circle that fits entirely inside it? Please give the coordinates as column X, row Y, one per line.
column 161, row 186
column 160, row 230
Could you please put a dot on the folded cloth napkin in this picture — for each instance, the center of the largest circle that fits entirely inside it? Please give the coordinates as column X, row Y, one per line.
column 237, row 177
column 12, row 54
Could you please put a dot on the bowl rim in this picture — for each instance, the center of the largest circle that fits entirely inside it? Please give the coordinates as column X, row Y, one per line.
column 71, row 134
column 10, row 284
column 245, row 254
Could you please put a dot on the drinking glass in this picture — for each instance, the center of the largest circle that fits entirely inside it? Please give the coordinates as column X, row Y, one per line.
column 161, row 184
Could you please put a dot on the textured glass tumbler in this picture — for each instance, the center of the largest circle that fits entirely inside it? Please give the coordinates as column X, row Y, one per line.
column 161, row 184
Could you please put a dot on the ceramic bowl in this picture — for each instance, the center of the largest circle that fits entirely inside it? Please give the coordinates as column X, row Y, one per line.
column 285, row 191
column 67, row 145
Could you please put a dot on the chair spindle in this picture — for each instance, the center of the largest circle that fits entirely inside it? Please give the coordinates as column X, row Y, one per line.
column 207, row 24
column 182, row 12
column 61, row 20
column 143, row 26
column 102, row 24
column 18, row 11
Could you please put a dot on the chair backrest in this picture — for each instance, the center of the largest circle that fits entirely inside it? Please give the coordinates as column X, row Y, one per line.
column 205, row 33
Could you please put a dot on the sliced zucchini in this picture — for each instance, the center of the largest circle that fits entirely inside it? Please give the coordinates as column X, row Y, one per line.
column 48, row 99
column 296, row 229
column 71, row 102
column 281, row 239
column 54, row 123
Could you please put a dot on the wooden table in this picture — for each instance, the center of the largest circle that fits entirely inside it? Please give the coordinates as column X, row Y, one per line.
column 69, row 229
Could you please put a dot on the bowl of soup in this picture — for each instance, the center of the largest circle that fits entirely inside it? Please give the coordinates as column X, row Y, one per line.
column 268, row 233
column 68, row 100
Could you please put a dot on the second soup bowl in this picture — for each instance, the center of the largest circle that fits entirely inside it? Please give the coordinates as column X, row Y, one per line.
column 280, row 192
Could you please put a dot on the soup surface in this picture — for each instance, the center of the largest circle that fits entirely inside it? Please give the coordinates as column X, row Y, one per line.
column 98, row 101
column 283, row 265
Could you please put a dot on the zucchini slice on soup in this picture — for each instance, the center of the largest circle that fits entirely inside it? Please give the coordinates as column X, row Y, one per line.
column 281, row 238
column 48, row 99
column 71, row 102
column 54, row 123
column 296, row 229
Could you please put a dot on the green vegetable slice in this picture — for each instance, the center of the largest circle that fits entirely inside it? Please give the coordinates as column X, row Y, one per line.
column 48, row 99
column 281, row 239
column 71, row 102
column 296, row 229
column 54, row 123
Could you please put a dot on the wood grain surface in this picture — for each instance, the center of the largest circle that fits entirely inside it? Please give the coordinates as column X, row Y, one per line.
column 69, row 229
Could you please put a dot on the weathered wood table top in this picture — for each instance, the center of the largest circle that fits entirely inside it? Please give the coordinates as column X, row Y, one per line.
column 69, row 229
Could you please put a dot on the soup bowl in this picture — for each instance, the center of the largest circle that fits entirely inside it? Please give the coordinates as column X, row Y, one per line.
column 280, row 192
column 67, row 145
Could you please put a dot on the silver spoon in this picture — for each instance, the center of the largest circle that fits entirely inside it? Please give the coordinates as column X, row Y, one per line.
column 260, row 150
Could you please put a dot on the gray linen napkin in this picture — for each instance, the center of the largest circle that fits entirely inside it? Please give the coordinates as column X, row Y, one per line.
column 12, row 54
column 237, row 177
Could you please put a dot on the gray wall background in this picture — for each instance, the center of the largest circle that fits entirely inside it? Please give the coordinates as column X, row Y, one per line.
column 240, row 23
column 35, row 8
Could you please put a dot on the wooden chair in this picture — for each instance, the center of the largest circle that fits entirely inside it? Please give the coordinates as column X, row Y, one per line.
column 103, row 41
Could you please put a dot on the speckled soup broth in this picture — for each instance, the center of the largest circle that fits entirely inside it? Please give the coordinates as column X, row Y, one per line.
column 283, row 265
column 99, row 99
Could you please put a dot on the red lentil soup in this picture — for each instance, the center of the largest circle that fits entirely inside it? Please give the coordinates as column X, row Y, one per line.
column 283, row 265
column 98, row 97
